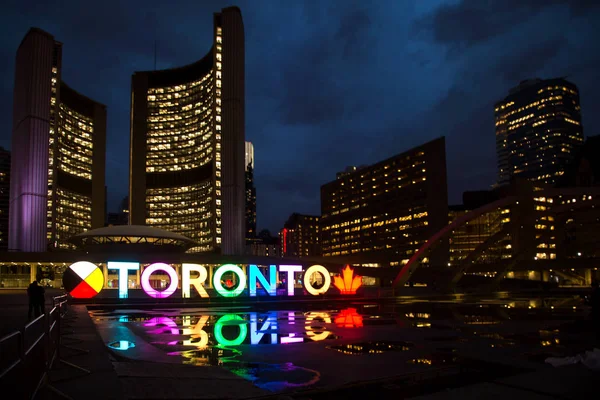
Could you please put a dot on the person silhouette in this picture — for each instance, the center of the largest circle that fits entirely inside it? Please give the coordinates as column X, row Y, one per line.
column 36, row 299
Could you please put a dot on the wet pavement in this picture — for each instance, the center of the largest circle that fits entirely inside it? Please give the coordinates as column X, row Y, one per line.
column 314, row 349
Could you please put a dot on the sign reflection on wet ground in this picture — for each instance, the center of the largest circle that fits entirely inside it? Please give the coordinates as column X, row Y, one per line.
column 290, row 349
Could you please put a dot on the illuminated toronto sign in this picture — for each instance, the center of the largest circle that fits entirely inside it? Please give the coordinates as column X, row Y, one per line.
column 228, row 280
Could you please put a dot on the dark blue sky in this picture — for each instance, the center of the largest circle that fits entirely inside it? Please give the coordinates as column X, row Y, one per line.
column 329, row 83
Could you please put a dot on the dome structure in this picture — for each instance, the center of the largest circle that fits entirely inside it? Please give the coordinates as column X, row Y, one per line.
column 131, row 238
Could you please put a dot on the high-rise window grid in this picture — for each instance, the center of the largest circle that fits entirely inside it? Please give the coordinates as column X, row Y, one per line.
column 538, row 130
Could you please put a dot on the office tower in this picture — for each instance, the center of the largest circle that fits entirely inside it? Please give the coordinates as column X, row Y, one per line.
column 392, row 206
column 58, row 152
column 538, row 130
column 4, row 197
column 300, row 236
column 187, row 144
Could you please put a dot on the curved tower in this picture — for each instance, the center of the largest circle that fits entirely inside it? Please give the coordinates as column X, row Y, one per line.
column 187, row 144
column 58, row 152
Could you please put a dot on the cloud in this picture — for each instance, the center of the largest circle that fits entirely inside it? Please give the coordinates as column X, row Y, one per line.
column 467, row 23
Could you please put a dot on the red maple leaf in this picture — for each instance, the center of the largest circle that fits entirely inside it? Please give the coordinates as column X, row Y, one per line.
column 349, row 283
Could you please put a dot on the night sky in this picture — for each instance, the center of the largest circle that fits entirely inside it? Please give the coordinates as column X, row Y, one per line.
column 328, row 83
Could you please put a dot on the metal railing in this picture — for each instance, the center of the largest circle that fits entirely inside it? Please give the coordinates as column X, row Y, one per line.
column 27, row 356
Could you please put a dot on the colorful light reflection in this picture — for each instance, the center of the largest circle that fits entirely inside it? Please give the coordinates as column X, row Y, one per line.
column 222, row 340
column 349, row 318
column 251, row 328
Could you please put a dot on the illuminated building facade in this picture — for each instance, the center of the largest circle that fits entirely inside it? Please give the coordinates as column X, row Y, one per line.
column 250, row 195
column 187, row 144
column 538, row 130
column 300, row 236
column 4, row 197
column 394, row 205
column 58, row 147
column 467, row 237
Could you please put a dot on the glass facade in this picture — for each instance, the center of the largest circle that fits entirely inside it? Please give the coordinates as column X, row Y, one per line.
column 70, row 176
column 468, row 237
column 183, row 162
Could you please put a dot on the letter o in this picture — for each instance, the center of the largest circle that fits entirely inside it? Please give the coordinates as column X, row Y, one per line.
column 309, row 287
column 219, row 274
column 150, row 291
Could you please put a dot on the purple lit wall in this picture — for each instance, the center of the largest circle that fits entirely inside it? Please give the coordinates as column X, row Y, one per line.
column 31, row 124
column 37, row 117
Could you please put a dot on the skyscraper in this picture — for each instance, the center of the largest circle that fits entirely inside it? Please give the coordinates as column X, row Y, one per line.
column 250, row 195
column 538, row 130
column 300, row 236
column 187, row 144
column 4, row 197
column 58, row 152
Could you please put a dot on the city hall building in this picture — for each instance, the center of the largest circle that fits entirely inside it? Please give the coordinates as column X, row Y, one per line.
column 187, row 144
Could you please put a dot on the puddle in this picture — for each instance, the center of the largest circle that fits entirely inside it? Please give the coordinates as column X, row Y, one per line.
column 274, row 377
column 371, row 347
column 207, row 356
column 444, row 339
column 436, row 359
column 121, row 345
column 447, row 349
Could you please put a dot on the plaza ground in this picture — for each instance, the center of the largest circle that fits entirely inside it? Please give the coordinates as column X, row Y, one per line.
column 485, row 348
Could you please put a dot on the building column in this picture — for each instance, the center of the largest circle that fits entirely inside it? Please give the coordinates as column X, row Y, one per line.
column 137, row 278
column 545, row 276
column 588, row 276
column 32, row 272
column 105, row 273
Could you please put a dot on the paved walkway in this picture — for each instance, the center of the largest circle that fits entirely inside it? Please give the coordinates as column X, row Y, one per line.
column 14, row 305
column 572, row 382
column 85, row 349
column 112, row 378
